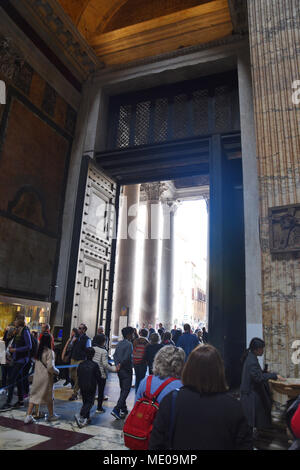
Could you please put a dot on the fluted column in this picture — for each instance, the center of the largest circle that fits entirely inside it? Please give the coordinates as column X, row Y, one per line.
column 274, row 28
column 167, row 265
column 149, row 292
column 125, row 269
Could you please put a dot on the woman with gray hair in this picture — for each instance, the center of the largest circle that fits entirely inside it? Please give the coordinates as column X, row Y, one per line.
column 168, row 363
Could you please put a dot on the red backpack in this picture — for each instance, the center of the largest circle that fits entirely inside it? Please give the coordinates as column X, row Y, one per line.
column 139, row 423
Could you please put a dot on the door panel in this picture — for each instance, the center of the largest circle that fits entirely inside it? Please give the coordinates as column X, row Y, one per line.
column 90, row 300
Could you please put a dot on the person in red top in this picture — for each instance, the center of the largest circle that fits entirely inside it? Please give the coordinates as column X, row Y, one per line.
column 295, row 423
column 139, row 359
column 46, row 329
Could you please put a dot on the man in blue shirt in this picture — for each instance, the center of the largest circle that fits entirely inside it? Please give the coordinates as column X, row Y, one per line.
column 20, row 351
column 187, row 341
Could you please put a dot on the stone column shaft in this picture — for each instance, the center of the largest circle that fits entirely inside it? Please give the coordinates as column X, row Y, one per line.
column 125, row 269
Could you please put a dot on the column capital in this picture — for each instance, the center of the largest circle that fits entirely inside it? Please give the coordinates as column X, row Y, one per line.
column 152, row 191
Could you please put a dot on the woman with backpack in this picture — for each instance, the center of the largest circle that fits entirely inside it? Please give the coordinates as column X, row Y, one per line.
column 167, row 367
column 168, row 363
column 201, row 415
column 42, row 384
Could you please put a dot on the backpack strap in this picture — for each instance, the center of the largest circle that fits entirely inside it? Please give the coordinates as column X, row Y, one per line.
column 162, row 386
column 148, row 386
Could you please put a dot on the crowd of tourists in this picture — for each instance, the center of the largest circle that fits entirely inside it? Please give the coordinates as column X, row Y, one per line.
column 179, row 383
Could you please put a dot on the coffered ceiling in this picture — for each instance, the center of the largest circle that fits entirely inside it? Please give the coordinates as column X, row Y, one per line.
column 92, row 34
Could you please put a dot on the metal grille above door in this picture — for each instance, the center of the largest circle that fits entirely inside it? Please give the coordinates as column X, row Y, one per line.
column 190, row 109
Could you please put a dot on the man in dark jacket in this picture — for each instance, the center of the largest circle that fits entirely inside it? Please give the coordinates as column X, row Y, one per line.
column 187, row 341
column 152, row 349
column 20, row 351
column 123, row 360
column 88, row 376
column 80, row 346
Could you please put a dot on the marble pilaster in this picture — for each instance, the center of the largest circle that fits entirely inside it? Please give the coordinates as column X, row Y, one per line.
column 274, row 29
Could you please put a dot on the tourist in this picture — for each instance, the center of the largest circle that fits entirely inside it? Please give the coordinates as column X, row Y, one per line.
column 200, row 336
column 204, row 335
column 207, row 418
column 161, row 330
column 295, row 421
column 167, row 339
column 101, row 358
column 78, row 355
column 187, row 341
column 152, row 349
column 139, row 356
column 101, row 331
column 42, row 384
column 88, row 374
column 176, row 335
column 255, row 393
column 46, row 329
column 151, row 330
column 66, row 356
column 20, row 351
column 123, row 358
column 168, row 362
column 6, row 368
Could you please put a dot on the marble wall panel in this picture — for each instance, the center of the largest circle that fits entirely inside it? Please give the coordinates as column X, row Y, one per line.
column 274, row 30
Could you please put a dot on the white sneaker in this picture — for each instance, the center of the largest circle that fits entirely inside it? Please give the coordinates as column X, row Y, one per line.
column 29, row 419
column 54, row 417
column 80, row 421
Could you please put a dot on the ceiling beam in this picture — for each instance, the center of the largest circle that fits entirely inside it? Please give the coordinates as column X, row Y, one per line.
column 239, row 16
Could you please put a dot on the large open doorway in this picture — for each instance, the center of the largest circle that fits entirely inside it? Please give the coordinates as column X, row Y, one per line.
column 187, row 130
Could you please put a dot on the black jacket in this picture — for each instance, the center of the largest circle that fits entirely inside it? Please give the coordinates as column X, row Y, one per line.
column 79, row 348
column 88, row 374
column 202, row 422
column 255, row 393
column 150, row 353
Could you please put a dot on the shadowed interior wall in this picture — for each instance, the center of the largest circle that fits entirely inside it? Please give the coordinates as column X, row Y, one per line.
column 36, row 134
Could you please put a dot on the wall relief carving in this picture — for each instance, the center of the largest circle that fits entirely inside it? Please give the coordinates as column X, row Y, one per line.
column 284, row 226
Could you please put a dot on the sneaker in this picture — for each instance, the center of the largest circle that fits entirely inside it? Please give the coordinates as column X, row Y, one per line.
column 54, row 417
column 67, row 382
column 29, row 419
column 102, row 410
column 123, row 413
column 105, row 398
column 6, row 407
column 116, row 413
column 73, row 397
column 18, row 404
column 80, row 421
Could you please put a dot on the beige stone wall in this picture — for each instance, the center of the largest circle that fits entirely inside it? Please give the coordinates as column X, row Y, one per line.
column 274, row 29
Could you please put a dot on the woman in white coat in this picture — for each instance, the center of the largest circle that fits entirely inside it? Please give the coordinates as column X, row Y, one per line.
column 42, row 386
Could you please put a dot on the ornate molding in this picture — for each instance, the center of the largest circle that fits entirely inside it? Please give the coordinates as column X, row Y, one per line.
column 284, row 227
column 48, row 18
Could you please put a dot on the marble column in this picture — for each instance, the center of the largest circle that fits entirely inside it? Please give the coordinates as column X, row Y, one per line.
column 149, row 291
column 125, row 268
column 167, row 265
column 274, row 30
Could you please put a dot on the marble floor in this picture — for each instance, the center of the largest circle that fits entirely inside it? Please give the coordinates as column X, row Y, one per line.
column 104, row 432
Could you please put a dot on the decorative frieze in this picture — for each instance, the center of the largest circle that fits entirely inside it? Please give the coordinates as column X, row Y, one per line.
column 284, row 225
